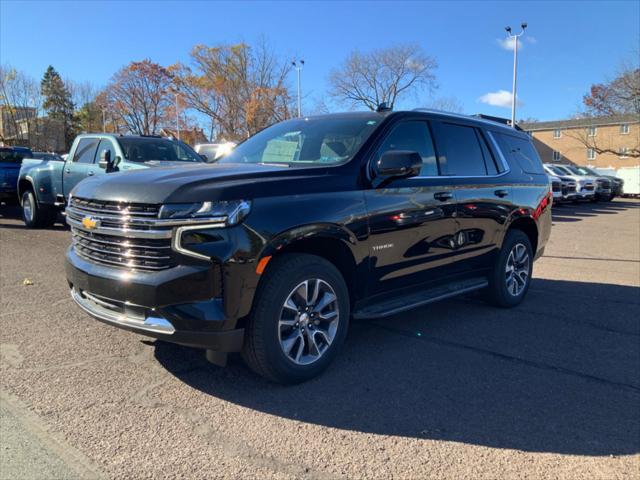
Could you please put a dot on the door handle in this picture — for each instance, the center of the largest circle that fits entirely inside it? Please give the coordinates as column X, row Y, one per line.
column 90, row 173
column 442, row 196
column 501, row 193
column 68, row 170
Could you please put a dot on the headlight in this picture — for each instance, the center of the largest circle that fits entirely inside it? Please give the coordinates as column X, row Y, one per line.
column 229, row 212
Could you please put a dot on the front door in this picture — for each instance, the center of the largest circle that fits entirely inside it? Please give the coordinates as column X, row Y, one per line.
column 82, row 165
column 411, row 221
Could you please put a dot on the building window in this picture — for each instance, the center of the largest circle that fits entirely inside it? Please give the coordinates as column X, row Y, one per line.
column 623, row 152
column 556, row 156
column 592, row 131
column 591, row 154
column 624, row 129
column 557, row 133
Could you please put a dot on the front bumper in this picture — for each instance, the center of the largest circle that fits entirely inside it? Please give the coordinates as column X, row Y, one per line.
column 175, row 305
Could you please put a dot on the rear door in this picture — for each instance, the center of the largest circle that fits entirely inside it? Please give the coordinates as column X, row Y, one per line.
column 82, row 164
column 412, row 221
column 484, row 196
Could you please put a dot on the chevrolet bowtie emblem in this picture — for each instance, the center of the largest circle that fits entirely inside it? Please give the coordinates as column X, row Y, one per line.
column 89, row 223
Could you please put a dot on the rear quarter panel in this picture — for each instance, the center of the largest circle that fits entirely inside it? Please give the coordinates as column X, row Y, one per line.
column 45, row 176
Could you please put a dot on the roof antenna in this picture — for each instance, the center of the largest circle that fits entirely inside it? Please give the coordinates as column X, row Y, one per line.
column 383, row 107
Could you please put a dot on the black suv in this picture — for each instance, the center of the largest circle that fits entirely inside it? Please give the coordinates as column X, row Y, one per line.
column 313, row 221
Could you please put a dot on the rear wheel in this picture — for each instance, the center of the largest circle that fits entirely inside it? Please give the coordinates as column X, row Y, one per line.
column 34, row 215
column 511, row 275
column 299, row 320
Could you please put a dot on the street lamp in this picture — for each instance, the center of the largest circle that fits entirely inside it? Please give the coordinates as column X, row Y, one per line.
column 299, row 65
column 515, row 69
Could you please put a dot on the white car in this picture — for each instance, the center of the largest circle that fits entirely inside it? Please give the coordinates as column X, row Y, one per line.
column 585, row 186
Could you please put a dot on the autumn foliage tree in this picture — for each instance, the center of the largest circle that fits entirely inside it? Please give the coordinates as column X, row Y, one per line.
column 619, row 96
column 139, row 97
column 241, row 89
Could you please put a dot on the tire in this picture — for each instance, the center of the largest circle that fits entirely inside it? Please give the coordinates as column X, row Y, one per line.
column 272, row 329
column 499, row 292
column 34, row 215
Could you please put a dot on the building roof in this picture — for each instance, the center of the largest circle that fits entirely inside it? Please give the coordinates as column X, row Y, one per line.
column 580, row 122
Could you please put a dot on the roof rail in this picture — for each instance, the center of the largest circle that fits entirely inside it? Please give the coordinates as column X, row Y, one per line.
column 491, row 118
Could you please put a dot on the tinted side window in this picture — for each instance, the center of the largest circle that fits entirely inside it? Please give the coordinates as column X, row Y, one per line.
column 462, row 153
column 104, row 146
column 521, row 152
column 416, row 137
column 86, row 151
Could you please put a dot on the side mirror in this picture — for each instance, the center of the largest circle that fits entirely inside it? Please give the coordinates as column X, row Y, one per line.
column 105, row 160
column 204, row 157
column 398, row 164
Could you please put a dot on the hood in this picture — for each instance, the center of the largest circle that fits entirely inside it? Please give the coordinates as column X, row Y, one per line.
column 204, row 182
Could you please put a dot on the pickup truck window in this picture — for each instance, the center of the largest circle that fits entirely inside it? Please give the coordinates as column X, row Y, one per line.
column 86, row 151
column 305, row 142
column 145, row 149
column 104, row 146
column 416, row 137
column 8, row 155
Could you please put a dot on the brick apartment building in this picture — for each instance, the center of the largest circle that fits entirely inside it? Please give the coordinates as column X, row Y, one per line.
column 577, row 141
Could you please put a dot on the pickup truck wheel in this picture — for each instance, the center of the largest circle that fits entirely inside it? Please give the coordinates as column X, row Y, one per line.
column 299, row 320
column 36, row 216
column 511, row 274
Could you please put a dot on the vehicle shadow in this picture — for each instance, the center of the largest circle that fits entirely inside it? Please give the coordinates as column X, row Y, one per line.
column 574, row 212
column 13, row 212
column 531, row 378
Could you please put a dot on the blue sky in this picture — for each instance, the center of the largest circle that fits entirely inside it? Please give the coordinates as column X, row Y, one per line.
column 570, row 44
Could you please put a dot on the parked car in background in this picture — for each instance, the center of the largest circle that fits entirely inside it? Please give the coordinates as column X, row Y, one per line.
column 271, row 250
column 10, row 163
column 585, row 186
column 603, row 184
column 617, row 184
column 47, row 156
column 556, row 187
column 214, row 151
column 44, row 185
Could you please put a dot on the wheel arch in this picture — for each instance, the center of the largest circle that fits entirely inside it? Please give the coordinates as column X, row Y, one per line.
column 329, row 241
column 529, row 227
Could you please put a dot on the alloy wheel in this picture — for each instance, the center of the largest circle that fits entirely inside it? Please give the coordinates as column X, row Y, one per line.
column 308, row 321
column 517, row 269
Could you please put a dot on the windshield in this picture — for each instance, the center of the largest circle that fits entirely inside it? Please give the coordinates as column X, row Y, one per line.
column 8, row 155
column 305, row 142
column 577, row 170
column 144, row 149
column 556, row 170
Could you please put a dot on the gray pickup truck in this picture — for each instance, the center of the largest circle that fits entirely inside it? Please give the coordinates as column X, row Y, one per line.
column 44, row 185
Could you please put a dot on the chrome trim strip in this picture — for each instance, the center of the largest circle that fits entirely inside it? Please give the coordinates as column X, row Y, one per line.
column 123, row 244
column 131, row 220
column 177, row 239
column 124, row 213
column 121, row 254
column 129, row 264
column 150, row 324
column 121, row 232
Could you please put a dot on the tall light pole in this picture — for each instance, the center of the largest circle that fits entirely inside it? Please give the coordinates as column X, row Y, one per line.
column 515, row 69
column 177, row 117
column 299, row 65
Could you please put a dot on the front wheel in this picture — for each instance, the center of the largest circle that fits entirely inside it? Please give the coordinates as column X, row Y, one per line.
column 299, row 320
column 511, row 275
column 36, row 216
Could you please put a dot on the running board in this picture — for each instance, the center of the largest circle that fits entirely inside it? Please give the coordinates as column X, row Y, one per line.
column 418, row 299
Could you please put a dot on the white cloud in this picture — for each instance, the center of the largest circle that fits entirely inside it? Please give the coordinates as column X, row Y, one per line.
column 501, row 98
column 531, row 40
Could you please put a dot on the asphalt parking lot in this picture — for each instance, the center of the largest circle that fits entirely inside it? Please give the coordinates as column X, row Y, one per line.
column 550, row 389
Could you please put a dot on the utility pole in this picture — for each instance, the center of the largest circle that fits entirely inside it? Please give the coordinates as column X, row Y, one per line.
column 104, row 122
column 299, row 65
column 516, row 40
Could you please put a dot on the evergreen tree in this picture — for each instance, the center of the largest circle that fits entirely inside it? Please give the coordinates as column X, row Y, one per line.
column 58, row 103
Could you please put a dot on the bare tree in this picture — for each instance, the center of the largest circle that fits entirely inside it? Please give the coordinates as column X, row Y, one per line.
column 618, row 96
column 139, row 96
column 20, row 100
column 601, row 146
column 446, row 104
column 241, row 89
column 382, row 76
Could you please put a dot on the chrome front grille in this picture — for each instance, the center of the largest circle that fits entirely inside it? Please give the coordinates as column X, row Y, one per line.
column 114, row 250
